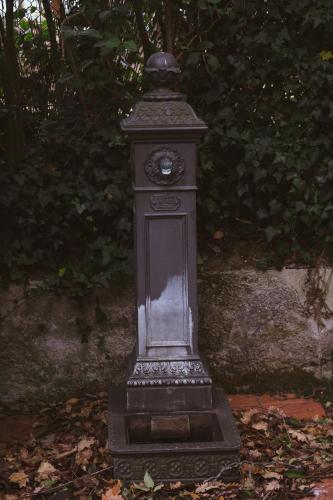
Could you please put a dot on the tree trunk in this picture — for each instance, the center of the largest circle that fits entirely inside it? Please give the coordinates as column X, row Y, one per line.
column 146, row 44
column 70, row 54
column 15, row 139
column 169, row 28
column 53, row 39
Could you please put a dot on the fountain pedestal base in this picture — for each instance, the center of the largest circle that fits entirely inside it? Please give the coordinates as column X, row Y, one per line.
column 176, row 446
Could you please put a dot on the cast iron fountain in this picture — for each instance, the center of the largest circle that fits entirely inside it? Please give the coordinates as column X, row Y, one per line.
column 169, row 420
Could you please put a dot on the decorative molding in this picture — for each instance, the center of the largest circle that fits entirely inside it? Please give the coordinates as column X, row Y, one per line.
column 149, row 368
column 165, row 202
column 169, row 373
column 180, row 467
column 168, row 381
column 155, row 114
column 153, row 166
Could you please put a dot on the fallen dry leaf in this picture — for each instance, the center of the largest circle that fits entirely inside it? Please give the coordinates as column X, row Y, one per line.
column 19, row 478
column 175, row 486
column 208, row 486
column 72, row 401
column 46, row 471
column 300, row 436
column 115, row 489
column 271, row 475
column 255, row 453
column 85, row 443
column 83, row 457
column 260, row 426
column 251, row 467
column 107, row 495
column 24, row 454
column 65, row 454
column 273, row 485
column 247, row 415
column 78, row 444
column 218, row 235
column 249, row 483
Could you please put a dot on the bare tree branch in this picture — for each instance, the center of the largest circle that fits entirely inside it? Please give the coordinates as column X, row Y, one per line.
column 169, row 27
column 146, row 44
column 15, row 131
column 53, row 39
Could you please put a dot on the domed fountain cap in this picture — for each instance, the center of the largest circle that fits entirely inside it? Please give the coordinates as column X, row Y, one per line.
column 163, row 69
column 162, row 110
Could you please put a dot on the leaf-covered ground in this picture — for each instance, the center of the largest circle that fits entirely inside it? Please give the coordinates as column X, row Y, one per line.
column 66, row 457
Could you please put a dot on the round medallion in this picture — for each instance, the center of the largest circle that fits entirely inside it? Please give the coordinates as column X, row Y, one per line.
column 164, row 166
column 201, row 467
column 124, row 468
column 150, row 466
column 175, row 468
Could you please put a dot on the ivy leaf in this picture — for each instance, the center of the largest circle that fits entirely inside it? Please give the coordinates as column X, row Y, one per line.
column 271, row 232
column 104, row 15
column 202, row 4
column 148, row 481
column 130, row 45
column 90, row 32
column 193, row 59
column 326, row 55
column 293, row 474
column 19, row 13
column 108, row 46
column 213, row 62
column 141, row 488
column 68, row 33
column 205, row 44
column 61, row 272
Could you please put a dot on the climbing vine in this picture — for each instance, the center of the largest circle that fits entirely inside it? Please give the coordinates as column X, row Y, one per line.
column 259, row 72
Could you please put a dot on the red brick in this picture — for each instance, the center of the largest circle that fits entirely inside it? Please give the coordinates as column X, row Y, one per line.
column 291, row 405
column 323, row 490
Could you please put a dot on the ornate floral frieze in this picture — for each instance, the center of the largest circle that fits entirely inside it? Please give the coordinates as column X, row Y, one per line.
column 182, row 467
column 169, row 373
column 149, row 368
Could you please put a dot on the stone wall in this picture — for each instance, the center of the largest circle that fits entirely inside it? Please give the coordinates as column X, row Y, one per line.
column 258, row 330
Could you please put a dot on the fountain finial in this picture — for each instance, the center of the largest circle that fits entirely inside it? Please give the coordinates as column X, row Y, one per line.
column 163, row 71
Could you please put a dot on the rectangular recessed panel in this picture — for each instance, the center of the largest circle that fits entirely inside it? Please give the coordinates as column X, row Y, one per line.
column 166, row 280
column 173, row 428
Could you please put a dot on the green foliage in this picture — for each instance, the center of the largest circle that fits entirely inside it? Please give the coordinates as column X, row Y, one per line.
column 67, row 208
column 259, row 72
column 149, row 486
column 264, row 85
